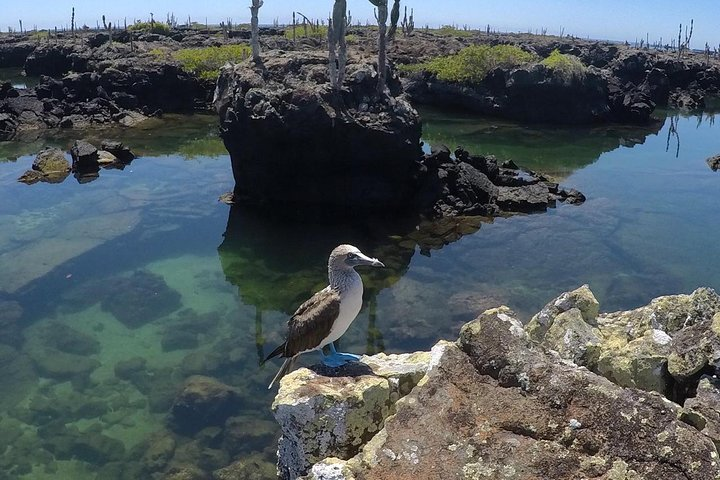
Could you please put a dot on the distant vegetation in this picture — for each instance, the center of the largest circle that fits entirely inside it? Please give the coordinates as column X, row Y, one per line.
column 152, row 27
column 306, row 31
column 472, row 64
column 206, row 62
column 566, row 67
column 453, row 31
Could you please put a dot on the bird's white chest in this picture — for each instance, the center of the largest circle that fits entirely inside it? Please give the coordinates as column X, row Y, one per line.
column 350, row 304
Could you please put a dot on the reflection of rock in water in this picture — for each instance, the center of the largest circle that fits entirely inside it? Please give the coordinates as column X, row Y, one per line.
column 277, row 262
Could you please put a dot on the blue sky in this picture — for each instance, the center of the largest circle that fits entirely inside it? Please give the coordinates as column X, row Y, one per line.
column 602, row 19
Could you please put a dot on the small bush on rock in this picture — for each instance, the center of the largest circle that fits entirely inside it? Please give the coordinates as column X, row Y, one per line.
column 306, row 31
column 152, row 27
column 472, row 64
column 566, row 67
column 206, row 62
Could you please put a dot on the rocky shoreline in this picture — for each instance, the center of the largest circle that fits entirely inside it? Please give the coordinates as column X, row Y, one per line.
column 294, row 142
column 572, row 394
column 93, row 80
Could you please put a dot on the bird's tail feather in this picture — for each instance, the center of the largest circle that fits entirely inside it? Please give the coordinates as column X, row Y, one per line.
column 280, row 349
column 284, row 370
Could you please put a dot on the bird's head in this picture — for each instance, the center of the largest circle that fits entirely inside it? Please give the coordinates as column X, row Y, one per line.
column 347, row 257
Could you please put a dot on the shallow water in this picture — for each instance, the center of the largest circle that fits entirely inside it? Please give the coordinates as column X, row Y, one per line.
column 145, row 262
column 17, row 78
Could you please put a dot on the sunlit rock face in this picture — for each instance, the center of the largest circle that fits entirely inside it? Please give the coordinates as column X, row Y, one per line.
column 508, row 401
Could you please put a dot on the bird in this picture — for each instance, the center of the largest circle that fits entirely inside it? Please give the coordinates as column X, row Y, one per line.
column 326, row 316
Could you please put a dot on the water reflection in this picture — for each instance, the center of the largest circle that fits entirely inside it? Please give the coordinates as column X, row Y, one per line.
column 187, row 136
column 544, row 148
column 17, row 77
column 278, row 262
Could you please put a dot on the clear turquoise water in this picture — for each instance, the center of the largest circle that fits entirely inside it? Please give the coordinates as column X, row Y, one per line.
column 649, row 227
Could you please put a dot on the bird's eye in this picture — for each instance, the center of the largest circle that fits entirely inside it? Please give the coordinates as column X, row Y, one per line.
column 351, row 256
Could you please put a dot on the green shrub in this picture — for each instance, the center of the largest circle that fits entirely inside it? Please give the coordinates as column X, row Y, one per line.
column 411, row 67
column 566, row 67
column 472, row 64
column 40, row 35
column 206, row 62
column 156, row 27
column 309, row 31
column 452, row 31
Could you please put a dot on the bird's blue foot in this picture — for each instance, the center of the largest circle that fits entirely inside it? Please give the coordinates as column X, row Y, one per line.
column 337, row 359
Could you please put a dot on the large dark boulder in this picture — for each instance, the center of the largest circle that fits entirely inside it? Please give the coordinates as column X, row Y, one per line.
column 532, row 94
column 538, row 94
column 50, row 59
column 292, row 139
column 13, row 54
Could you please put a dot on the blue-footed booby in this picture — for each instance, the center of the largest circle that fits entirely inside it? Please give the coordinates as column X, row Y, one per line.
column 326, row 315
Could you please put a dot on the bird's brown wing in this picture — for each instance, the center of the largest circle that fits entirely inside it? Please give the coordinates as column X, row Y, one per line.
column 312, row 322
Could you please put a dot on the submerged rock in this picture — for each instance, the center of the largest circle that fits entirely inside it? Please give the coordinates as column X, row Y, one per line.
column 17, row 376
column 249, row 467
column 203, row 401
column 140, row 298
column 10, row 313
column 65, row 338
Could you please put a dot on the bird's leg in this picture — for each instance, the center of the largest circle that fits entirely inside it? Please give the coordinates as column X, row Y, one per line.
column 331, row 360
column 344, row 357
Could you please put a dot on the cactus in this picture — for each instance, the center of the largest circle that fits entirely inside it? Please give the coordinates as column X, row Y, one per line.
column 336, row 44
column 72, row 22
column 254, row 29
column 381, row 16
column 394, row 17
column 684, row 45
column 408, row 25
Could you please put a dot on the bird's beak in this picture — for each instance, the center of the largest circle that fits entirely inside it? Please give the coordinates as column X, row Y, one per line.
column 373, row 262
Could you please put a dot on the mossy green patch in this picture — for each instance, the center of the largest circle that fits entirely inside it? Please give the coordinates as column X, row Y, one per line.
column 566, row 67
column 472, row 64
column 306, row 31
column 453, row 31
column 152, row 27
column 206, row 62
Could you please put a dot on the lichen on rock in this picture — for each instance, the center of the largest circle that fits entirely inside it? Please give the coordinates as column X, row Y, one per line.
column 499, row 403
column 324, row 416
